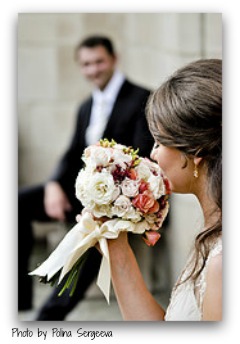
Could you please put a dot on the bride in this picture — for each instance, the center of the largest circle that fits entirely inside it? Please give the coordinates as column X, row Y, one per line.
column 185, row 118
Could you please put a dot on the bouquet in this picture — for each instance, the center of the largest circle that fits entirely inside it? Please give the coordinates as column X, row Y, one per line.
column 128, row 191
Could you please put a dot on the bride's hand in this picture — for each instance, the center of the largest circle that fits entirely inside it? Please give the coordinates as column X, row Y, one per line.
column 116, row 247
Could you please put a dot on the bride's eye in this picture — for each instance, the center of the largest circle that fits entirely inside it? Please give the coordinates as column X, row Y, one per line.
column 156, row 145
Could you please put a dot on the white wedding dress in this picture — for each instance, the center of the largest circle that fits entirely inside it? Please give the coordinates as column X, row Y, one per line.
column 186, row 303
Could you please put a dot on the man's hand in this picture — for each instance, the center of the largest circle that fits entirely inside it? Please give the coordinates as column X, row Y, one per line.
column 56, row 202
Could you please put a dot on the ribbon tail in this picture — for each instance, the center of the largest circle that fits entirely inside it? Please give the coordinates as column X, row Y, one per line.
column 59, row 256
column 104, row 275
column 73, row 258
column 73, row 245
column 80, row 248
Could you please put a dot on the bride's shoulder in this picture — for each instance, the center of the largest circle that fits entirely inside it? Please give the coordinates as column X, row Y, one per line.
column 214, row 263
column 212, row 303
column 215, row 266
column 216, row 249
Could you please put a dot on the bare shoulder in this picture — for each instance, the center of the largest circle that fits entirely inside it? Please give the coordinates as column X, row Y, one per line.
column 212, row 303
column 214, row 268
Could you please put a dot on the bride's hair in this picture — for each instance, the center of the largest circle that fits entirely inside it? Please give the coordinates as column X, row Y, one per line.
column 188, row 109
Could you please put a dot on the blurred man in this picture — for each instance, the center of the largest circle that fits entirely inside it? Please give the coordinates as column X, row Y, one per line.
column 114, row 110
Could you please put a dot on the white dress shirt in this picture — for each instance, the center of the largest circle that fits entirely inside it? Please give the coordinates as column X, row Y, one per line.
column 103, row 102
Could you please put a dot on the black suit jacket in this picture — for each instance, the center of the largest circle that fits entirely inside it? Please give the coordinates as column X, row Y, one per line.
column 126, row 125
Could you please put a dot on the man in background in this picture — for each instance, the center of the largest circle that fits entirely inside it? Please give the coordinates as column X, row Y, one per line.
column 115, row 110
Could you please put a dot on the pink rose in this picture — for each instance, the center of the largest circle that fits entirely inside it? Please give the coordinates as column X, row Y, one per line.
column 143, row 186
column 130, row 187
column 146, row 203
column 151, row 237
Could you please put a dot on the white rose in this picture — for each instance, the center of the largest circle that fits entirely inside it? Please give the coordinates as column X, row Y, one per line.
column 88, row 151
column 121, row 158
column 156, row 186
column 133, row 215
column 140, row 227
column 121, row 206
column 102, row 210
column 102, row 189
column 153, row 166
column 119, row 146
column 81, row 188
column 100, row 156
column 97, row 156
column 143, row 171
column 130, row 187
column 151, row 219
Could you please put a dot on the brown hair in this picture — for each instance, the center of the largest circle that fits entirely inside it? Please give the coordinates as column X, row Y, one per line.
column 95, row 41
column 188, row 109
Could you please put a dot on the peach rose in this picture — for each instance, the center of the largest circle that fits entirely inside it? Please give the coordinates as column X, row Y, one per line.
column 151, row 237
column 132, row 174
column 146, row 203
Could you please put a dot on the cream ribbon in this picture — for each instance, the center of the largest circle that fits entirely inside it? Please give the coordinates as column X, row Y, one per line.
column 85, row 234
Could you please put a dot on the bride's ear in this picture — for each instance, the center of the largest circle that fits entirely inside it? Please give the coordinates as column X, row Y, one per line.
column 197, row 160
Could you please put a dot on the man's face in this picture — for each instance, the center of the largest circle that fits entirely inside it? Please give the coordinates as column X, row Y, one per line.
column 97, row 65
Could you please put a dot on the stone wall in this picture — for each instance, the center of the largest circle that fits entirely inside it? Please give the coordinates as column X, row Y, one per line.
column 50, row 86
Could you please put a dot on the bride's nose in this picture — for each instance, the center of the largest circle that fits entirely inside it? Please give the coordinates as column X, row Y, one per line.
column 153, row 152
column 153, row 155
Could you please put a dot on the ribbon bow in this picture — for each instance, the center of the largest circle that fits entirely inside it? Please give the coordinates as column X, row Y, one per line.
column 85, row 234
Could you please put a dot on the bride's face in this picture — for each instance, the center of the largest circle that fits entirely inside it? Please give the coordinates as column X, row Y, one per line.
column 173, row 164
